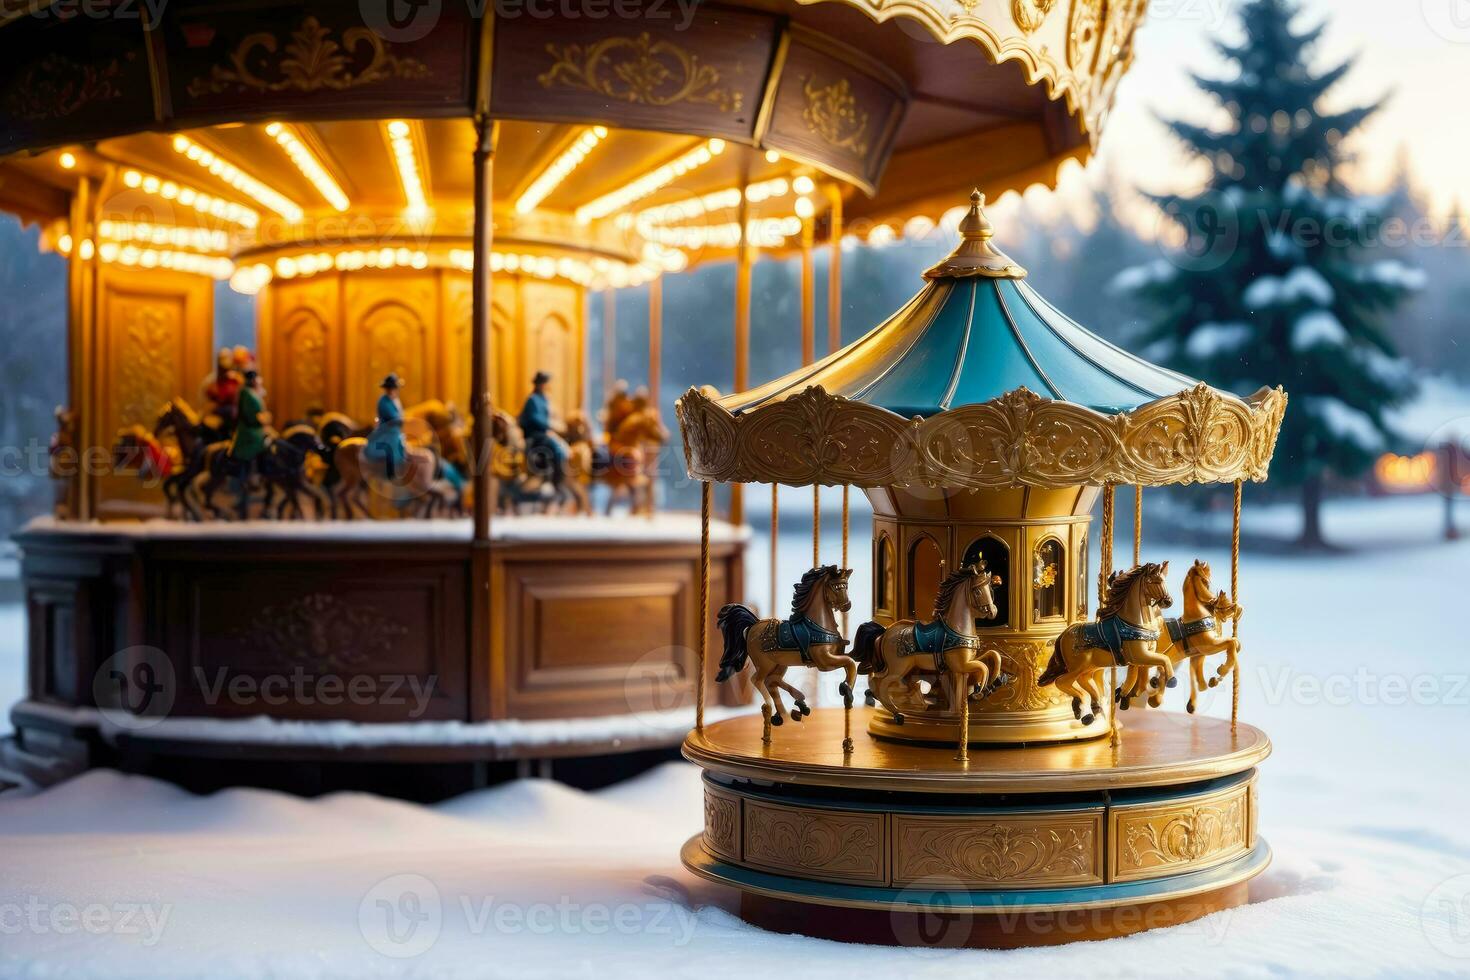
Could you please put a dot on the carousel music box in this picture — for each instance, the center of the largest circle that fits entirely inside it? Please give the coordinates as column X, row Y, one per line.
column 998, row 796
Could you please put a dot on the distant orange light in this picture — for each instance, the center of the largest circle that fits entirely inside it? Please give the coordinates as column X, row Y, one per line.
column 1406, row 473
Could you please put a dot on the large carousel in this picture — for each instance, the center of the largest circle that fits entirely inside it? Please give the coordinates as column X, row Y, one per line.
column 997, row 792
column 432, row 202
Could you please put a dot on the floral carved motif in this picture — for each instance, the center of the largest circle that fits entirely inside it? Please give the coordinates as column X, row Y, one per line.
column 56, row 86
column 825, row 844
column 831, row 112
column 1084, row 33
column 1191, row 835
column 639, row 70
column 321, row 630
column 1012, row 852
column 1030, row 14
column 1019, row 439
column 310, row 60
column 1024, row 660
column 145, row 376
column 721, row 824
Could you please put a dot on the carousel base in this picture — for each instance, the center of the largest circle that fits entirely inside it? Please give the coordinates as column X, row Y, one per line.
column 1019, row 846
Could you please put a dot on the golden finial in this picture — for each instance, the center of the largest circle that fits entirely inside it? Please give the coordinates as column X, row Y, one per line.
column 976, row 256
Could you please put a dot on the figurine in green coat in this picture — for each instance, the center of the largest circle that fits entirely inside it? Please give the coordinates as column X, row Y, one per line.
column 251, row 420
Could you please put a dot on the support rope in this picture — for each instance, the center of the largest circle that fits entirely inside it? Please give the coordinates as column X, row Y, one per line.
column 775, row 538
column 706, row 499
column 1137, row 524
column 1105, row 569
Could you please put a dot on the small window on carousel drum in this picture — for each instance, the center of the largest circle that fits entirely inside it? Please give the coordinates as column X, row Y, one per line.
column 997, row 558
column 883, row 579
column 1083, row 587
column 926, row 565
column 1048, row 582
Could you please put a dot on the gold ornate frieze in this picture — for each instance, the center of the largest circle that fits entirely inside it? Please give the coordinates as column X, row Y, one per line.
column 722, row 823
column 827, row 844
column 1030, row 14
column 640, row 70
column 968, row 852
column 832, row 113
column 314, row 57
column 1178, row 837
column 1019, row 439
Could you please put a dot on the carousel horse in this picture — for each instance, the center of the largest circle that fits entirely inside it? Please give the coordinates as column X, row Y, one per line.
column 1193, row 636
column 283, row 467
column 586, row 460
column 508, row 464
column 949, row 645
column 139, row 450
column 629, row 447
column 423, row 484
column 1122, row 636
column 810, row 637
column 440, row 426
column 218, row 468
column 193, row 435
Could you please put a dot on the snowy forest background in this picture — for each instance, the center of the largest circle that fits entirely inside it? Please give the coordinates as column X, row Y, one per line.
column 1368, row 333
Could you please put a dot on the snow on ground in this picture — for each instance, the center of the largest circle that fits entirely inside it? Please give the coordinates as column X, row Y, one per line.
column 1356, row 665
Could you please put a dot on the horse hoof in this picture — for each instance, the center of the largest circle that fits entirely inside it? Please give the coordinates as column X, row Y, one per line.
column 777, row 720
column 844, row 690
column 847, row 700
column 795, row 715
column 1096, row 708
column 1190, row 707
column 805, row 708
column 1214, row 681
column 1124, row 703
column 897, row 718
column 870, row 697
column 1153, row 682
column 1076, row 707
column 1155, row 701
column 1087, row 719
column 1173, row 682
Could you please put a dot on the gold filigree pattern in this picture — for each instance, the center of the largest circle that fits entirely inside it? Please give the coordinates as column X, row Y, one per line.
column 722, row 823
column 639, row 70
column 56, row 86
column 324, row 632
column 310, row 60
column 1029, row 15
column 1178, row 837
column 1084, row 34
column 146, row 374
column 1024, row 660
column 820, row 843
column 831, row 112
column 1019, row 439
column 974, row 852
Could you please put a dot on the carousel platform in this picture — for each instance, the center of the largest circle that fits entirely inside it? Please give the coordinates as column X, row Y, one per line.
column 280, row 649
column 1022, row 845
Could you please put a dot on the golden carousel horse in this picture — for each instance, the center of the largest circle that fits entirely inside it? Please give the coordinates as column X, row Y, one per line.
column 629, row 445
column 809, row 638
column 1122, row 636
column 581, row 461
column 1195, row 635
column 949, row 646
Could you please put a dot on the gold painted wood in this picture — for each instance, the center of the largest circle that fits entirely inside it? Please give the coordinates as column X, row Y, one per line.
column 722, row 823
column 1197, row 436
column 826, row 845
column 1158, row 748
column 1018, row 850
column 1154, row 839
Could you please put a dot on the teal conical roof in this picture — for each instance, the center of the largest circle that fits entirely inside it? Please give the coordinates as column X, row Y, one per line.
column 976, row 331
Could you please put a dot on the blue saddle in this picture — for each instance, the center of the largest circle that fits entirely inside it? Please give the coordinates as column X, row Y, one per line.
column 800, row 634
column 1110, row 634
column 1180, row 631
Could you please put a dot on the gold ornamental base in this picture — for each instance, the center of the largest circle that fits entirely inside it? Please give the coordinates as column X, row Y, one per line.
column 902, row 843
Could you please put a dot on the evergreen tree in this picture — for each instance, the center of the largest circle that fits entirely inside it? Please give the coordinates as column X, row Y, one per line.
column 1276, row 282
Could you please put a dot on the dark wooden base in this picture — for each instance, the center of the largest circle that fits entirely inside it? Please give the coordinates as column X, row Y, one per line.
column 1006, row 930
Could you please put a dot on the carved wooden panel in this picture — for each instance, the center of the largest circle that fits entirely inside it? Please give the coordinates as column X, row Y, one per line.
column 830, row 845
column 317, row 58
column 300, row 340
column 1170, row 838
column 154, row 332
column 325, row 636
column 551, row 316
column 1046, row 850
column 391, row 324
column 836, row 108
column 705, row 77
column 722, row 822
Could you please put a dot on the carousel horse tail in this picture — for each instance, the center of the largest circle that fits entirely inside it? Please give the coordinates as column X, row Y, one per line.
column 866, row 649
column 734, row 621
column 1055, row 667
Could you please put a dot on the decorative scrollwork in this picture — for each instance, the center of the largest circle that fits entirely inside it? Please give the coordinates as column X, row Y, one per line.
column 721, row 823
column 312, row 59
column 832, row 112
column 1084, row 34
column 819, row 842
column 55, row 86
column 1182, row 836
column 1029, row 15
column 639, row 70
column 325, row 632
column 1009, row 852
column 1019, row 439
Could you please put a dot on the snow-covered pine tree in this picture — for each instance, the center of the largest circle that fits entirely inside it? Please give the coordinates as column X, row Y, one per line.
column 1277, row 281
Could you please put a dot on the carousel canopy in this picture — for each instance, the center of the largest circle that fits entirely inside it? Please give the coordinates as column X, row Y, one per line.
column 978, row 382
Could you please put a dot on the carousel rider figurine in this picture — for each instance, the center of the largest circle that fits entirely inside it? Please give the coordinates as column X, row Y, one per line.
column 542, row 440
column 386, row 441
column 222, row 389
column 249, row 440
column 619, row 406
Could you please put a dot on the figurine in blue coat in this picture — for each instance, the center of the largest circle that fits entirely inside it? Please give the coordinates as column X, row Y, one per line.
column 386, row 442
column 542, row 440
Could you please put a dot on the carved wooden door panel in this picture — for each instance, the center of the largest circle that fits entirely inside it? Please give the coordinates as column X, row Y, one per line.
column 390, row 327
column 300, row 344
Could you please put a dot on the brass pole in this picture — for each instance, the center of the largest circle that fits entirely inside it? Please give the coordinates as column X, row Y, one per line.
column 81, row 313
column 706, row 496
column 834, row 272
column 808, row 295
column 481, row 336
column 1106, row 568
column 1235, row 600
column 655, row 337
column 775, row 537
column 743, row 261
column 816, row 525
column 1137, row 525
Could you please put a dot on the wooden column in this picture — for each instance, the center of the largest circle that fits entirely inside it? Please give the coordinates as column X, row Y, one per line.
column 82, row 363
column 655, row 337
column 481, row 338
column 834, row 273
column 743, row 262
column 808, row 295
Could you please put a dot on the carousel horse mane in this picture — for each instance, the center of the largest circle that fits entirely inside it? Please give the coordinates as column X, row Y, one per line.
column 182, row 407
column 1118, row 585
column 949, row 585
column 804, row 587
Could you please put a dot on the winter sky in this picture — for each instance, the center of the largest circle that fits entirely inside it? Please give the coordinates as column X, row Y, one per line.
column 1417, row 52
